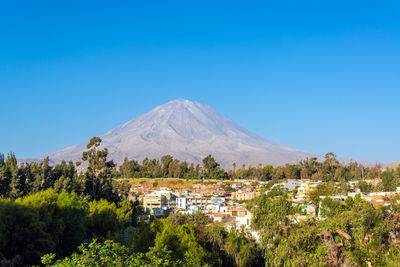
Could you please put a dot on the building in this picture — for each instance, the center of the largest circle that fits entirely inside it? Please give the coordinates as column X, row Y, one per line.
column 161, row 213
column 196, row 202
column 291, row 185
column 161, row 199
column 181, row 203
column 304, row 188
column 241, row 195
column 238, row 212
column 154, row 202
column 218, row 216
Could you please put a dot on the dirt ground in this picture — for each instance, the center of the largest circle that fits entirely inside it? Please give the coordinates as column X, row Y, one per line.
column 179, row 185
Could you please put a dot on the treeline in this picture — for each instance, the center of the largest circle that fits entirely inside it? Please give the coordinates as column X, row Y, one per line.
column 169, row 167
column 96, row 182
column 330, row 170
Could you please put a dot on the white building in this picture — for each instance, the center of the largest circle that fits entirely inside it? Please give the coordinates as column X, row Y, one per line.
column 181, row 203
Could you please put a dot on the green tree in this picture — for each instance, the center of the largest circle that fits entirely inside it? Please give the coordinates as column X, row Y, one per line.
column 210, row 166
column 166, row 160
column 324, row 189
column 5, row 177
column 183, row 243
column 364, row 187
column 63, row 216
column 267, row 173
column 99, row 172
column 389, row 180
column 241, row 248
column 22, row 236
column 272, row 215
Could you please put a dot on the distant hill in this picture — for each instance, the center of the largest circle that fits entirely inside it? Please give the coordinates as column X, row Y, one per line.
column 392, row 165
column 187, row 131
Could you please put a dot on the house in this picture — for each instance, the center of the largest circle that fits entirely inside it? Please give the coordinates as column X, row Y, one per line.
column 290, row 185
column 218, row 216
column 241, row 195
column 243, row 218
column 304, row 188
column 238, row 211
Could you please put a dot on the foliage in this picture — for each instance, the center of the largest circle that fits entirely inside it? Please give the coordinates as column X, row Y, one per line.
column 99, row 173
column 197, row 219
column 271, row 215
column 105, row 217
column 325, row 189
column 111, row 253
column 364, row 187
column 353, row 234
column 56, row 222
column 242, row 249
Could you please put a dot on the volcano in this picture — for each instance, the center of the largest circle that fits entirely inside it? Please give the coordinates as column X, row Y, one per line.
column 187, row 131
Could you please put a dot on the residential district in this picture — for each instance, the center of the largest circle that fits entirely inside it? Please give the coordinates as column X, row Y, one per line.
column 226, row 201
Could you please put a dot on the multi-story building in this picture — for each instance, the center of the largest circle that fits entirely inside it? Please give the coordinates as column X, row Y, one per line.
column 198, row 202
column 181, row 203
column 242, row 195
column 154, row 202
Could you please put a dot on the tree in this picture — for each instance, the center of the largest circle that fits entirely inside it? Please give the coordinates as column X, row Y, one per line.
column 241, row 248
column 102, row 218
column 267, row 173
column 364, row 187
column 210, row 166
column 22, row 236
column 183, row 243
column 271, row 214
column 5, row 177
column 389, row 180
column 331, row 207
column 291, row 171
column 64, row 218
column 100, row 172
column 309, row 166
column 325, row 189
column 128, row 168
column 165, row 162
column 110, row 253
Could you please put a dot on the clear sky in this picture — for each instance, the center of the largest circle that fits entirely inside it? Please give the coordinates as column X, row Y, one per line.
column 319, row 76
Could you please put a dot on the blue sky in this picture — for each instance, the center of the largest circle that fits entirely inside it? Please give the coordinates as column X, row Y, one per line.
column 319, row 76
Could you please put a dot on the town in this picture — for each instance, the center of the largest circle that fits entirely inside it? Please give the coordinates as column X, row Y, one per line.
column 225, row 202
